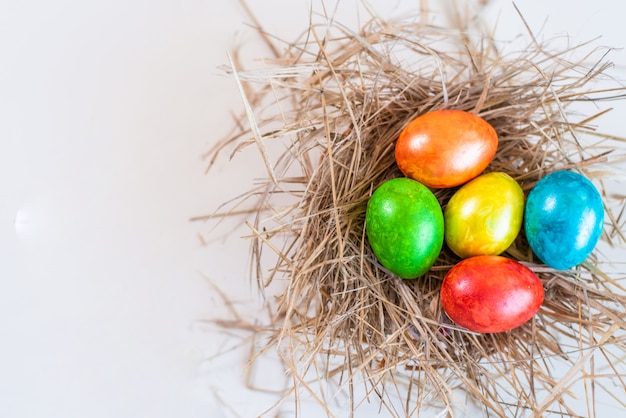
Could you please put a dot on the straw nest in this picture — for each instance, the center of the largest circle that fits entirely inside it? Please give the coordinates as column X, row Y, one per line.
column 335, row 101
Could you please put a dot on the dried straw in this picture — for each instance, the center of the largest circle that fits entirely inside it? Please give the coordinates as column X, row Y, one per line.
column 333, row 102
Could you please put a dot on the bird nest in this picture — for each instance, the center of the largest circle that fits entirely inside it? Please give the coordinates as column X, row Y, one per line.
column 333, row 103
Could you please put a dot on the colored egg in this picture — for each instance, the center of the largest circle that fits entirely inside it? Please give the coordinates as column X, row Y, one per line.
column 490, row 293
column 564, row 219
column 445, row 148
column 404, row 226
column 484, row 216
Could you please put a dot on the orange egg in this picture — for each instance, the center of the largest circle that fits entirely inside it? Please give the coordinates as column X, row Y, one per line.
column 445, row 148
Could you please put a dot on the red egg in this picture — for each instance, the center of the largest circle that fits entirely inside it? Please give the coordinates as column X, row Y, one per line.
column 445, row 148
column 490, row 294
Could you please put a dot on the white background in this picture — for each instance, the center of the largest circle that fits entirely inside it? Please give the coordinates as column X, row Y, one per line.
column 106, row 109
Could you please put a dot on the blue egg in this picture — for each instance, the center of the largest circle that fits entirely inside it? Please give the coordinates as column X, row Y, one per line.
column 563, row 219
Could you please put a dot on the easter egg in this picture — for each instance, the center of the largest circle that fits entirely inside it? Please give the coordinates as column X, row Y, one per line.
column 484, row 216
column 564, row 219
column 490, row 293
column 445, row 148
column 404, row 226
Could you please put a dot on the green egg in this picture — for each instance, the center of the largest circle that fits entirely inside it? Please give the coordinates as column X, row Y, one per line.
column 404, row 226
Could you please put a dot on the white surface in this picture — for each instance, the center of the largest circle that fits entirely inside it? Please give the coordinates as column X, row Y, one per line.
column 106, row 108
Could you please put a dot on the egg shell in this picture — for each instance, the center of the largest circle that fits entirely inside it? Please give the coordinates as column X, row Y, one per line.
column 490, row 294
column 445, row 148
column 564, row 217
column 404, row 226
column 484, row 216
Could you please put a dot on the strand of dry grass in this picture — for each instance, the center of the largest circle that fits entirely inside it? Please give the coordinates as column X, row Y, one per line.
column 342, row 98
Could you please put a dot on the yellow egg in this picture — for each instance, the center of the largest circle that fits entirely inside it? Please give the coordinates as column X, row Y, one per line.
column 484, row 216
